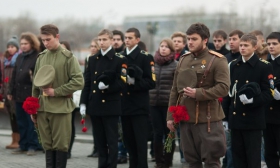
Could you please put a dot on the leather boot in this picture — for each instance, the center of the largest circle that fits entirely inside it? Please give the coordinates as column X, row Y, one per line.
column 158, row 147
column 50, row 159
column 61, row 159
column 70, row 147
column 15, row 140
column 168, row 157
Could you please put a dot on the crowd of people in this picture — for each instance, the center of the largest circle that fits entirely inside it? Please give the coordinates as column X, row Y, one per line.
column 231, row 97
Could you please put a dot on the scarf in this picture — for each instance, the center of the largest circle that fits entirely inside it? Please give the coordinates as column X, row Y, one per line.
column 161, row 60
column 11, row 60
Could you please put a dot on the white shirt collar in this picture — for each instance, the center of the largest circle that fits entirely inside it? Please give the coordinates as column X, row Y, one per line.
column 105, row 52
column 248, row 59
column 273, row 58
column 127, row 50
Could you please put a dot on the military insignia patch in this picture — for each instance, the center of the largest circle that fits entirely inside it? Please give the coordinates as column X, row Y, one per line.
column 153, row 70
column 124, row 72
column 203, row 62
column 271, row 81
column 144, row 52
column 119, row 55
column 264, row 61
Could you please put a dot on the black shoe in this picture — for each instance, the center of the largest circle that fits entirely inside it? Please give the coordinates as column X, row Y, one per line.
column 93, row 154
column 122, row 160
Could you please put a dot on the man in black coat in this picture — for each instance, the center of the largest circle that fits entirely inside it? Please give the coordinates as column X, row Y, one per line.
column 272, row 131
column 135, row 99
column 105, row 77
column 220, row 41
column 249, row 92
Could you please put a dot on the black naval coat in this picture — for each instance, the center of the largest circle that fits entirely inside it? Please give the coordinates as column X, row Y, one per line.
column 249, row 116
column 108, row 101
column 272, row 114
column 135, row 98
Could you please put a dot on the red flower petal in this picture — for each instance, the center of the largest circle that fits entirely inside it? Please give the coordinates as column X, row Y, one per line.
column 31, row 105
column 84, row 129
column 82, row 121
column 220, row 99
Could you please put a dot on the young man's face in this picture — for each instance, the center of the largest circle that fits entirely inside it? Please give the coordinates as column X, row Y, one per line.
column 273, row 47
column 246, row 48
column 25, row 46
column 49, row 41
column 219, row 42
column 104, row 41
column 260, row 41
column 195, row 43
column 179, row 44
column 117, row 41
column 131, row 40
column 234, row 43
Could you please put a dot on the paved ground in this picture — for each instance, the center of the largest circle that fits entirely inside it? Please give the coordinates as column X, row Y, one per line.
column 81, row 149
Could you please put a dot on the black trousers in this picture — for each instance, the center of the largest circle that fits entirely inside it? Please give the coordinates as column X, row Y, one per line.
column 94, row 142
column 135, row 133
column 272, row 145
column 106, row 137
column 158, row 115
column 246, row 148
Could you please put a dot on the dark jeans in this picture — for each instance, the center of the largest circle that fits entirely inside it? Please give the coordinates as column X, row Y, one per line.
column 158, row 115
column 28, row 135
column 228, row 156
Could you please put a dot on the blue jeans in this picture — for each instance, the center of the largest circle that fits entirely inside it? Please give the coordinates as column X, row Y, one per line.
column 122, row 150
column 262, row 150
column 229, row 163
column 28, row 135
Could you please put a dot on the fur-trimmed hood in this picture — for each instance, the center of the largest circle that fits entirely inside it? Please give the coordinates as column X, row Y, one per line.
column 262, row 53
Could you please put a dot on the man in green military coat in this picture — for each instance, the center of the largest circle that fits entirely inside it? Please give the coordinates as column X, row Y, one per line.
column 56, row 105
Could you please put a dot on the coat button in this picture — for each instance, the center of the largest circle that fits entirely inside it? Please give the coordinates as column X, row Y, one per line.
column 94, row 82
column 102, row 91
column 237, row 64
column 234, row 102
column 234, row 113
column 271, row 108
column 103, row 101
column 128, row 93
column 236, row 81
column 243, row 114
column 275, row 77
column 95, row 72
column 192, row 66
column 195, row 58
column 97, row 57
column 121, row 94
column 247, row 81
column 93, row 91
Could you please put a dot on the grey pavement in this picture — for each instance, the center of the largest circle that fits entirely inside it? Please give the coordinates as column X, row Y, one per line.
column 81, row 148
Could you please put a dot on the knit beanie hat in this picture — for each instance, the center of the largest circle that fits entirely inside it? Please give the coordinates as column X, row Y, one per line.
column 13, row 41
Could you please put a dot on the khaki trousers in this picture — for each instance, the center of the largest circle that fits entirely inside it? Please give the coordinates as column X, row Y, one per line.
column 55, row 130
column 200, row 146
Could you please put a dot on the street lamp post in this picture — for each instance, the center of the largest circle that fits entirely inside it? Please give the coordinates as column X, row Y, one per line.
column 152, row 28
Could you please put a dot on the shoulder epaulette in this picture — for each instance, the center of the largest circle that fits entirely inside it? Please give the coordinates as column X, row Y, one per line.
column 216, row 53
column 67, row 53
column 186, row 53
column 119, row 55
column 43, row 52
column 144, row 52
column 264, row 61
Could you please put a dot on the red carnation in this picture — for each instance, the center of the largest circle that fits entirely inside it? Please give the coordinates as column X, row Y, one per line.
column 84, row 129
column 220, row 99
column 31, row 105
column 6, row 80
column 82, row 121
column 179, row 113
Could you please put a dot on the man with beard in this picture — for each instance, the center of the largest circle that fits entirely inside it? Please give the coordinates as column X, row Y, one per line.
column 202, row 136
column 118, row 41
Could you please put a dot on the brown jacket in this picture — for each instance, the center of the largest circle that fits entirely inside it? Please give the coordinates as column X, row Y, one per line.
column 189, row 73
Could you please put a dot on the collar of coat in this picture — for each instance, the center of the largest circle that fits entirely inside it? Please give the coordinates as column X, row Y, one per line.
column 252, row 61
column 110, row 54
column 277, row 59
column 134, row 53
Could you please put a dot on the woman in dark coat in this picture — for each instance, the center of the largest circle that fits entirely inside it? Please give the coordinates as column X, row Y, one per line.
column 164, row 69
column 20, row 88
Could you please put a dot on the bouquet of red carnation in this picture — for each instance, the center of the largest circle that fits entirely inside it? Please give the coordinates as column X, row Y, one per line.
column 6, row 80
column 83, row 122
column 30, row 106
column 179, row 113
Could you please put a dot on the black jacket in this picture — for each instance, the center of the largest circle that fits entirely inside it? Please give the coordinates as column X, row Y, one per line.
column 165, row 74
column 223, row 50
column 108, row 101
column 21, row 83
column 273, row 109
column 232, row 56
column 135, row 98
column 249, row 116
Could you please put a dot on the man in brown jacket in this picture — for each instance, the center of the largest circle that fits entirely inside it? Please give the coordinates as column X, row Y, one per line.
column 201, row 77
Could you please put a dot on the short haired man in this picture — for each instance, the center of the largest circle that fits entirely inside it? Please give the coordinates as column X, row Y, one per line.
column 233, row 40
column 105, row 77
column 56, row 104
column 204, row 128
column 262, row 50
column 249, row 92
column 220, row 41
column 118, row 41
column 135, row 99
column 272, row 115
column 180, row 41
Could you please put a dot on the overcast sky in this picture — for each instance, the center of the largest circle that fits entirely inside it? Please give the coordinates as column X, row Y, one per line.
column 113, row 11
